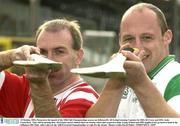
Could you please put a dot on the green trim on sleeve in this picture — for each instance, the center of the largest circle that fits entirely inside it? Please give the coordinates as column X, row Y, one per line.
column 173, row 88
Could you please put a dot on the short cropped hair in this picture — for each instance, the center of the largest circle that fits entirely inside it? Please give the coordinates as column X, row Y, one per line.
column 59, row 24
column 160, row 15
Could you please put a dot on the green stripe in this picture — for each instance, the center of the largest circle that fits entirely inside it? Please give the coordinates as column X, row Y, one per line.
column 161, row 65
column 173, row 88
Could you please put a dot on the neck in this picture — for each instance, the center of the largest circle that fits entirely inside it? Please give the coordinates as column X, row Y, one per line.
column 60, row 87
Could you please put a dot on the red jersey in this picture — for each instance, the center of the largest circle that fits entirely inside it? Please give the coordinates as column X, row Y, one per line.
column 15, row 100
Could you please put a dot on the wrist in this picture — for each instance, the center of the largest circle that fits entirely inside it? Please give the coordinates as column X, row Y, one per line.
column 6, row 59
column 37, row 80
column 115, row 84
column 143, row 85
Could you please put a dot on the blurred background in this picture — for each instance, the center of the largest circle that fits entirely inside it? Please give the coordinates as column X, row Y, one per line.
column 99, row 20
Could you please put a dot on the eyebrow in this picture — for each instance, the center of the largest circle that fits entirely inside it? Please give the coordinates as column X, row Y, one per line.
column 60, row 47
column 148, row 34
column 128, row 35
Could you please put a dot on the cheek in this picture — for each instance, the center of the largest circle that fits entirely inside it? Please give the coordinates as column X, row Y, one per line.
column 61, row 58
column 158, row 49
column 155, row 52
column 74, row 59
column 70, row 62
column 154, row 46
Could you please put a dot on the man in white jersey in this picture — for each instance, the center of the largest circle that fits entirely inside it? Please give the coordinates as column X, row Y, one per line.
column 47, row 93
column 152, row 85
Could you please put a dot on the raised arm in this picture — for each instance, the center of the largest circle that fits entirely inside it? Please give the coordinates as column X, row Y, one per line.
column 41, row 93
column 23, row 52
column 151, row 100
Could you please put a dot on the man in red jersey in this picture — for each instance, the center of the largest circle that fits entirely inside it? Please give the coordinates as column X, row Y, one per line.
column 61, row 41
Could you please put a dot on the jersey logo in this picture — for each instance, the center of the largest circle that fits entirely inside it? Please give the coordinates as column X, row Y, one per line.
column 125, row 93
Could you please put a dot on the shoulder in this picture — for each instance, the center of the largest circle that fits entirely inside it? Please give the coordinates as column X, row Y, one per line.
column 173, row 87
column 10, row 79
column 81, row 91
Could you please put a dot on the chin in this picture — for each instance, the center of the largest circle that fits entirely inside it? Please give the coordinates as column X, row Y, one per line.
column 51, row 77
column 148, row 68
column 144, row 62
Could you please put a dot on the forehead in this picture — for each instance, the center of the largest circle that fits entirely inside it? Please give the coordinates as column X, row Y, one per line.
column 60, row 38
column 139, row 20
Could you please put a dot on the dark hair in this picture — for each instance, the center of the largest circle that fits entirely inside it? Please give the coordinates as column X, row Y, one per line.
column 60, row 24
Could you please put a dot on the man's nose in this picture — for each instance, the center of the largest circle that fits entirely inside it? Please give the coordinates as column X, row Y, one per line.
column 138, row 43
column 50, row 56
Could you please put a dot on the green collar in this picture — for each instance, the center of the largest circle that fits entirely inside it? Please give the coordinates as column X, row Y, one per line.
column 161, row 65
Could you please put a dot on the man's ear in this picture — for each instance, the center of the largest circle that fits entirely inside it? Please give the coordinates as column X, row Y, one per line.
column 80, row 55
column 168, row 37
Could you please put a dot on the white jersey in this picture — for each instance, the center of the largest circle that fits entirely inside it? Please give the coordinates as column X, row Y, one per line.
column 166, row 77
